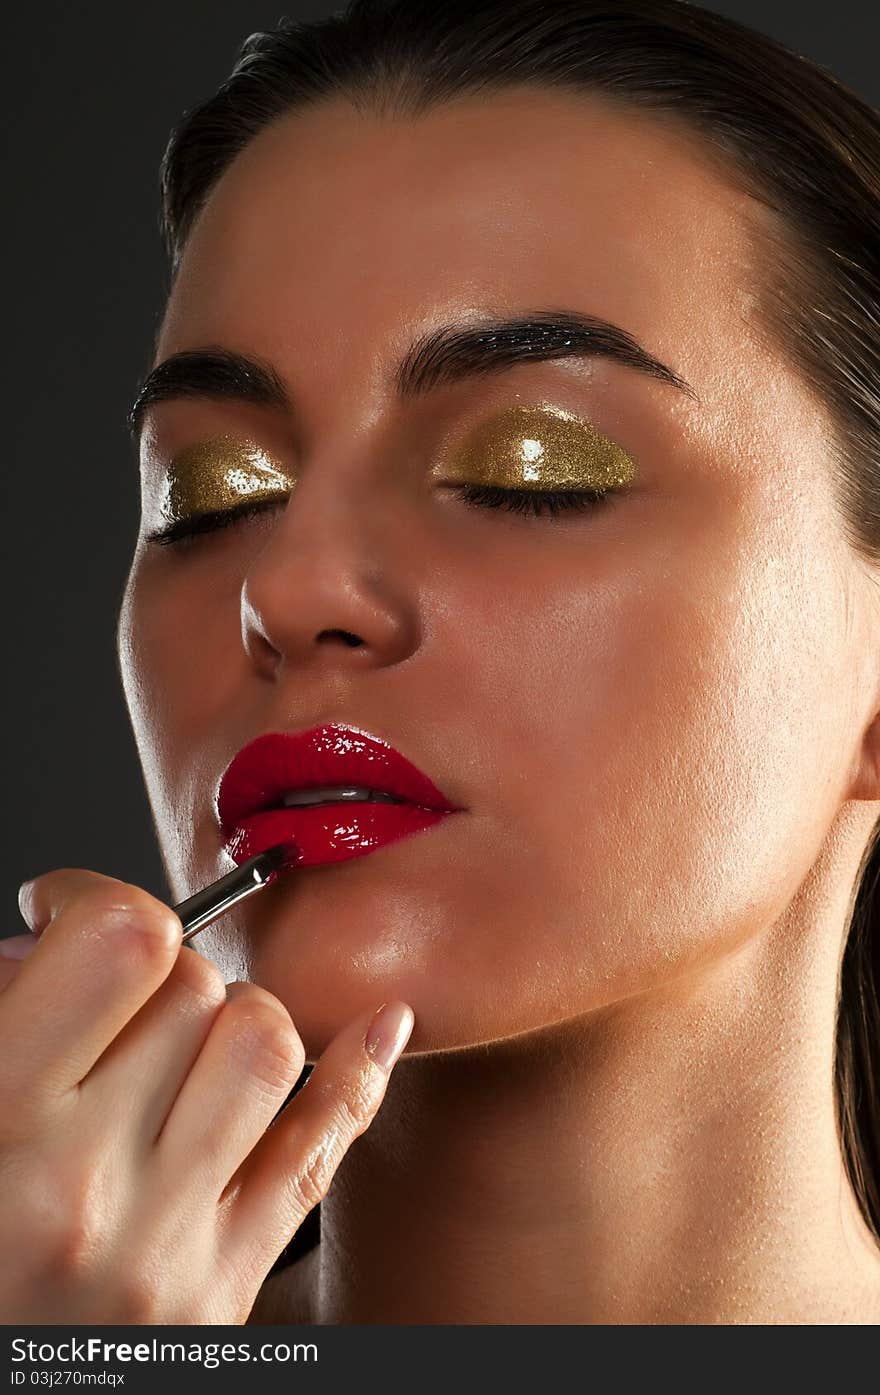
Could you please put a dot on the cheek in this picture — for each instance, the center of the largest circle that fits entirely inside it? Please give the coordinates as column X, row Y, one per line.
column 177, row 646
column 667, row 758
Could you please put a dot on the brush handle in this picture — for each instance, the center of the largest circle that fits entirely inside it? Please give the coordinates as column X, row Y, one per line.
column 207, row 905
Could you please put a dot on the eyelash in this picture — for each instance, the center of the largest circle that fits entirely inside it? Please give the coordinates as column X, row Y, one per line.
column 532, row 502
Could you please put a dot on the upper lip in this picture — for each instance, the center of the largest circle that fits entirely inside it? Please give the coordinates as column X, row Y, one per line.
column 331, row 754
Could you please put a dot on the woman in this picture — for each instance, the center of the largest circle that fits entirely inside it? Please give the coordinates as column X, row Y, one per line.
column 514, row 407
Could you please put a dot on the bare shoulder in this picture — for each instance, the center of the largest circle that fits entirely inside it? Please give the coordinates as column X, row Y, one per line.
column 287, row 1297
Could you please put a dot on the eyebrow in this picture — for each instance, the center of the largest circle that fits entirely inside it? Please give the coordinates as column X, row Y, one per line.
column 448, row 354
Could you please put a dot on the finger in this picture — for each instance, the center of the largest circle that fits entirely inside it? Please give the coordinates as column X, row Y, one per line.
column 13, row 951
column 141, row 1073
column 247, row 1067
column 40, row 899
column 290, row 1170
column 105, row 947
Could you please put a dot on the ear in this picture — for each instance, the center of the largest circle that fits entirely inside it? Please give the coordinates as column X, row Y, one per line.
column 865, row 781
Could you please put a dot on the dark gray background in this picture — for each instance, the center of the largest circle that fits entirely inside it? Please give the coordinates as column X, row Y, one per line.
column 91, row 95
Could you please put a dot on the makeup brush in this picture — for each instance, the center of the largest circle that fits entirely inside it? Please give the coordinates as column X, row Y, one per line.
column 205, row 906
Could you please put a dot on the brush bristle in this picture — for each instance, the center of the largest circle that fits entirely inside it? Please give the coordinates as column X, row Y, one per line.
column 281, row 855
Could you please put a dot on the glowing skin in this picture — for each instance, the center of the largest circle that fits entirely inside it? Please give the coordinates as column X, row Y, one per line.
column 660, row 713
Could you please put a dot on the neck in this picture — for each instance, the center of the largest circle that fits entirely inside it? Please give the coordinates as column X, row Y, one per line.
column 672, row 1158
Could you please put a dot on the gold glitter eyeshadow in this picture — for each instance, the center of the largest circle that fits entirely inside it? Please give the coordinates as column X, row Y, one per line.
column 220, row 474
column 539, row 447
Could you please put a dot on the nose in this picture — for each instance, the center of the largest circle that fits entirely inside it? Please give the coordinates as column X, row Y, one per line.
column 333, row 587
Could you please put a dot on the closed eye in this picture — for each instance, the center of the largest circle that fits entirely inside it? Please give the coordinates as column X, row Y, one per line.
column 212, row 522
column 532, row 502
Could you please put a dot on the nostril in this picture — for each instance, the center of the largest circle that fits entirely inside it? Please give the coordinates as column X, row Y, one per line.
column 351, row 640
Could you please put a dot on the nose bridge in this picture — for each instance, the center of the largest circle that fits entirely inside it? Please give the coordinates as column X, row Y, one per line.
column 337, row 515
column 338, row 562
column 341, row 385
column 347, row 489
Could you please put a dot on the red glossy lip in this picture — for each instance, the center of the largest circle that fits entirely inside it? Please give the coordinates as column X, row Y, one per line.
column 332, row 754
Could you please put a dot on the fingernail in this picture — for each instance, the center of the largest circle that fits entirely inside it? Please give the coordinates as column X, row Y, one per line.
column 23, row 895
column 18, row 946
column 389, row 1033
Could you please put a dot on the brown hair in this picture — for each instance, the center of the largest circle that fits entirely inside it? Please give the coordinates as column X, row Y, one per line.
column 782, row 127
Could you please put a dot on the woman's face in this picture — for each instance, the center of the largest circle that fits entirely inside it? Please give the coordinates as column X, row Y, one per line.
column 649, row 712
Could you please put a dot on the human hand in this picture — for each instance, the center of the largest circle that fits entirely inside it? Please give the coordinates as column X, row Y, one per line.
column 140, row 1180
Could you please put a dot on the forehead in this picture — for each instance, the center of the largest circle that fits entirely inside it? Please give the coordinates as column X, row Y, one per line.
column 336, row 229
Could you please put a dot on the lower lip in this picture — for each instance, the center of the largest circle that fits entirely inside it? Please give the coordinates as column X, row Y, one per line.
column 330, row 832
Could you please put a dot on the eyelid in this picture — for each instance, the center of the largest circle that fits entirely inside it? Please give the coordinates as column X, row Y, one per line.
column 210, row 521
column 537, row 446
column 221, row 473
column 540, row 447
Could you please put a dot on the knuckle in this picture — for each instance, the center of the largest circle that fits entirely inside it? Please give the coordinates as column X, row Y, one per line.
column 134, row 917
column 63, row 1212
column 200, row 976
column 43, row 897
column 79, row 1230
column 357, row 1106
column 138, row 1297
column 264, row 1030
column 272, row 1061
column 76, row 1249
column 310, row 1183
column 352, row 1107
